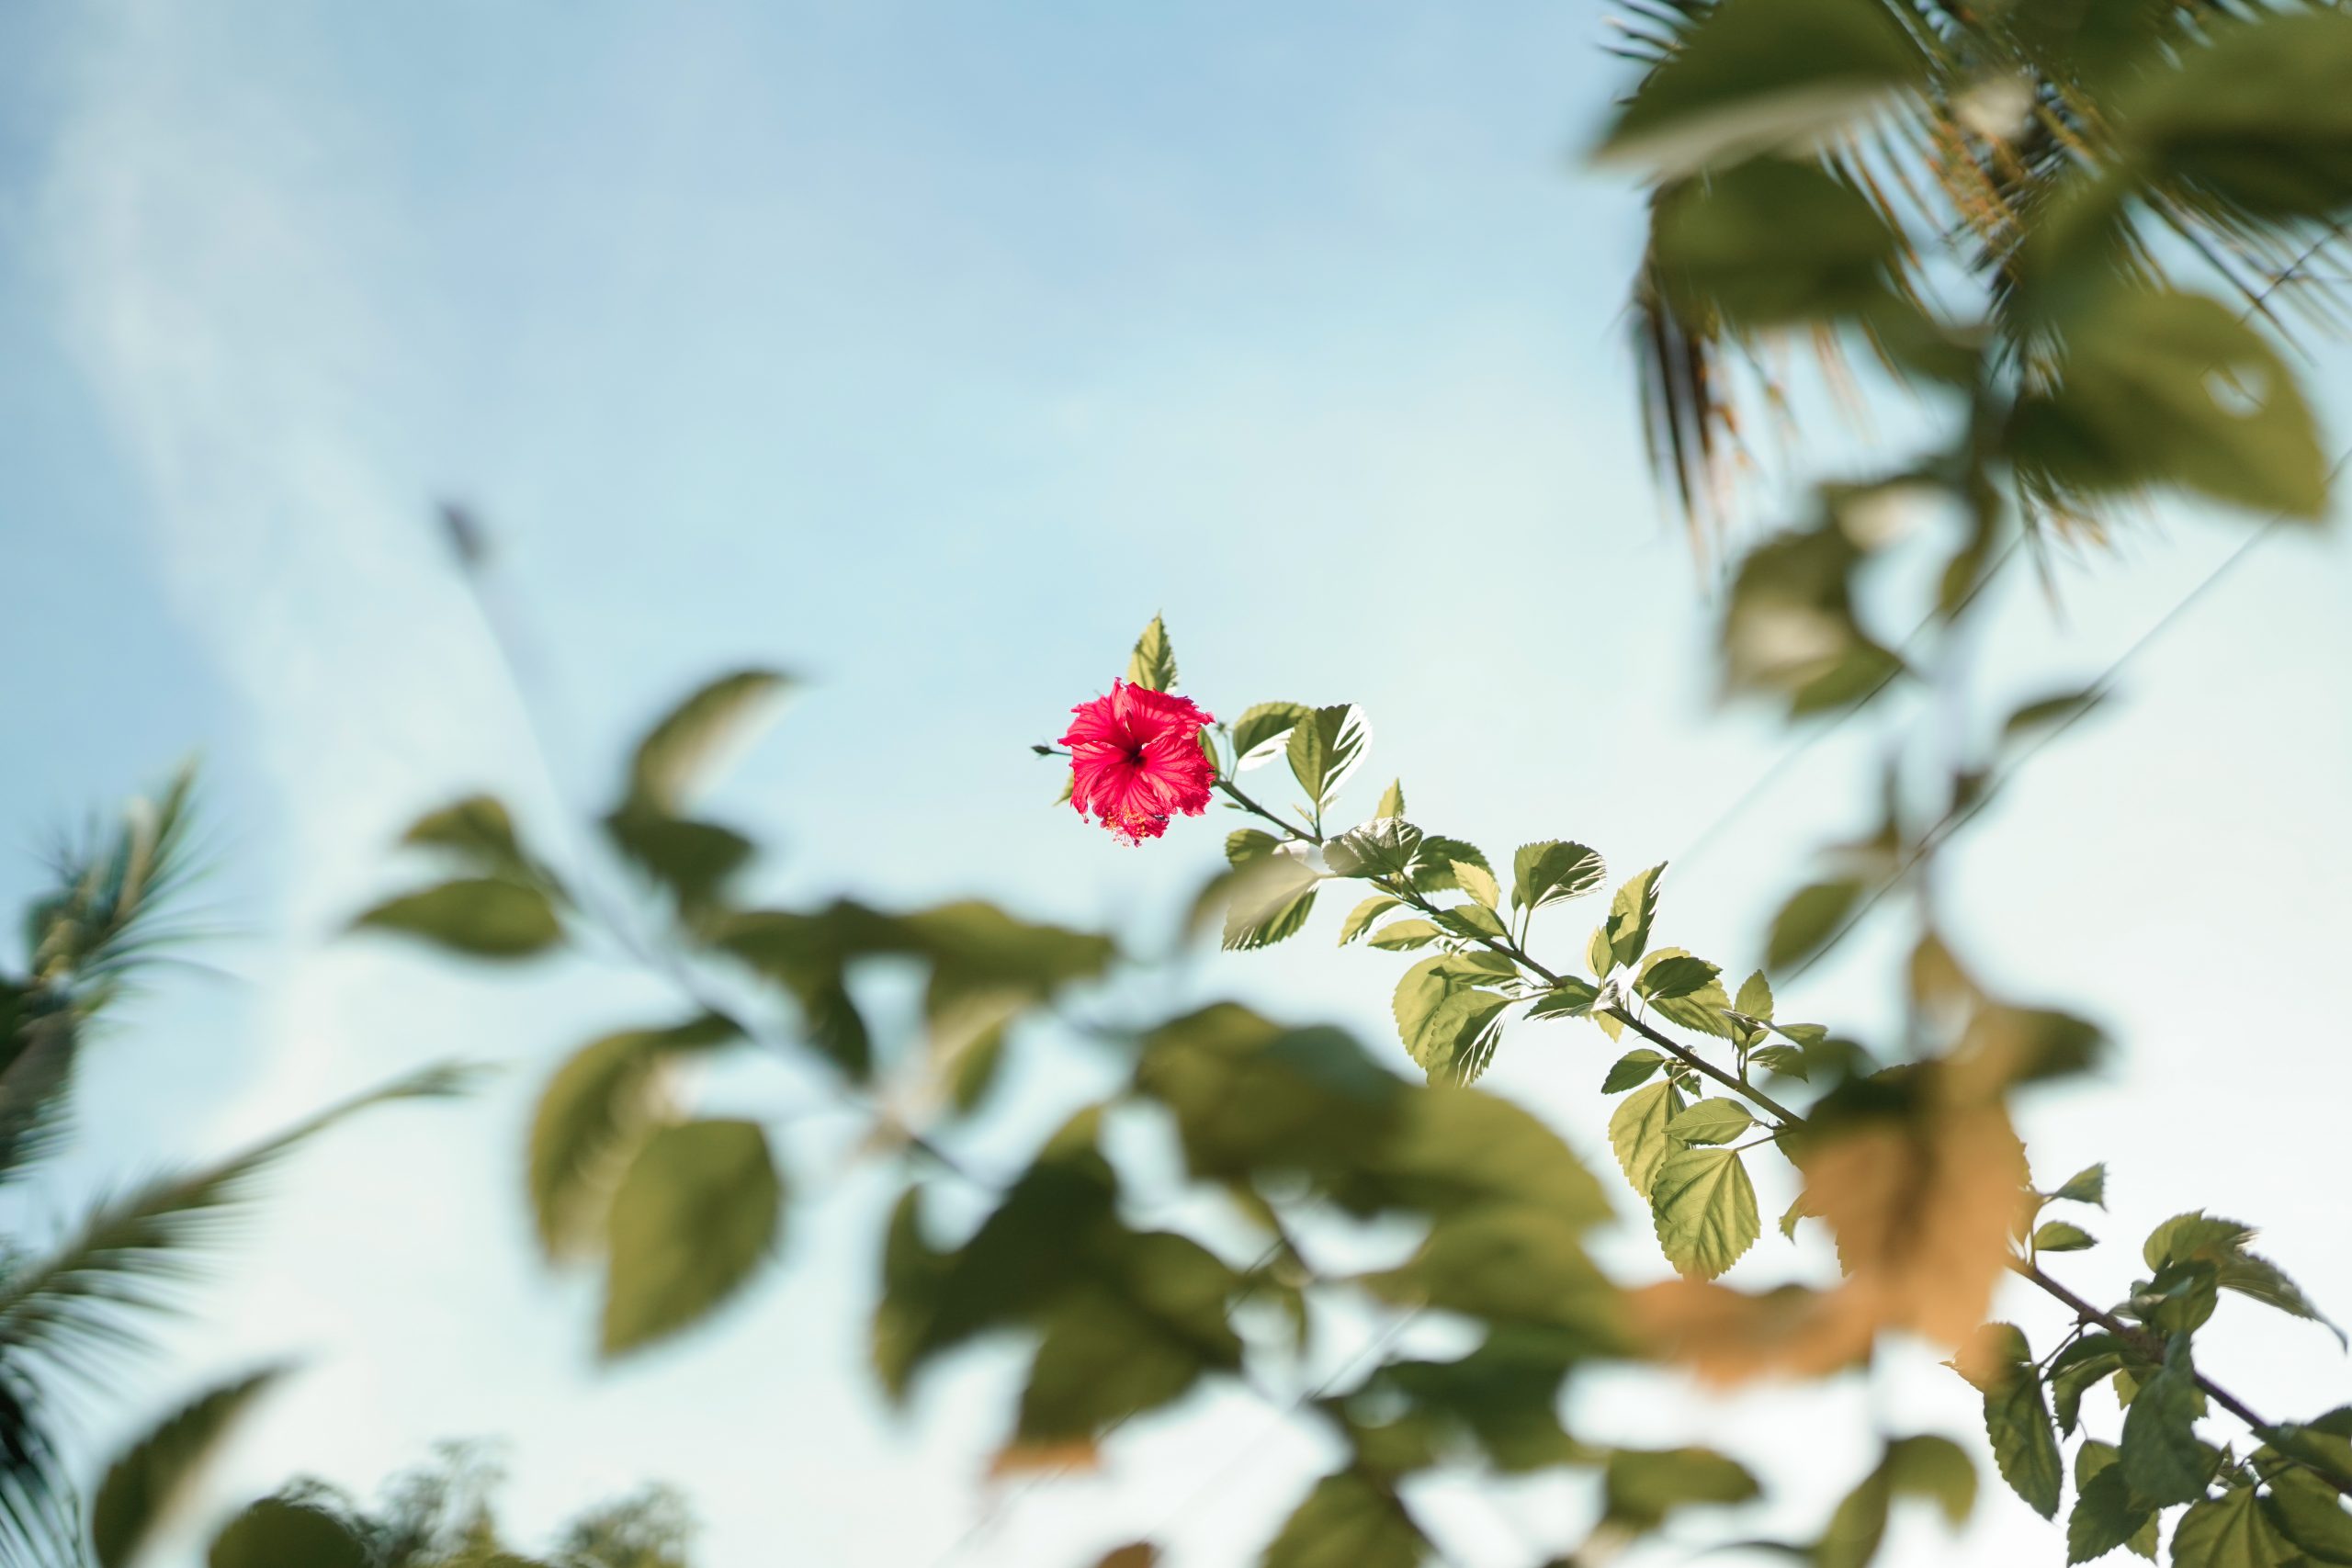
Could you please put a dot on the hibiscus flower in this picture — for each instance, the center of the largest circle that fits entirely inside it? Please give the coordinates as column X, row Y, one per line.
column 1135, row 760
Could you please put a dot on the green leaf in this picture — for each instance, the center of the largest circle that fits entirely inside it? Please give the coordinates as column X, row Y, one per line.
column 1326, row 750
column 1510, row 1264
column 1473, row 922
column 1433, row 867
column 1637, row 1133
column 1571, row 998
column 1671, row 973
column 2062, row 709
column 1392, row 799
column 1249, row 1096
column 1704, row 1208
column 1772, row 243
column 1152, row 665
column 1135, row 1554
column 1360, row 918
column 1937, row 1469
column 279, row 1533
column 1134, row 1336
column 1246, row 844
column 2105, row 1515
column 478, row 833
column 696, row 1215
column 1477, row 881
column 2163, row 1460
column 1439, row 1013
column 595, row 1111
column 1400, row 935
column 1350, row 1519
column 684, row 745
column 1716, row 1120
column 2016, row 1419
column 2230, row 1532
column 1751, row 75
column 480, row 916
column 2199, row 1238
column 1632, row 1069
column 1458, row 1042
column 155, row 1478
column 2087, row 1184
column 2162, row 388
column 1755, row 997
column 2253, row 118
column 2075, row 1368
column 2310, row 1514
column 1382, row 847
column 1811, row 917
column 1552, row 870
column 1641, row 1487
column 1630, row 914
column 1269, row 900
column 1262, row 732
column 693, row 859
column 2057, row 1235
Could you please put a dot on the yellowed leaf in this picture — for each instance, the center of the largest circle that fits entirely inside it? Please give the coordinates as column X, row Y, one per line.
column 1047, row 1458
column 1729, row 1336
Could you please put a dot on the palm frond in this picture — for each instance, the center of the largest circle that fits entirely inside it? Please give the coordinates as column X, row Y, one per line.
column 115, row 893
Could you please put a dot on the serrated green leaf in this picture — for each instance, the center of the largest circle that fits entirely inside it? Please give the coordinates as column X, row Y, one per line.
column 1268, row 901
column 1263, row 732
column 2017, row 1418
column 2057, row 1235
column 153, row 1479
column 1631, row 1069
column 2073, row 1370
column 1400, row 935
column 1670, row 973
column 1704, row 1208
column 1716, row 1120
column 2104, row 1514
column 1755, row 997
column 1552, row 870
column 696, row 1215
column 676, row 752
column 1811, row 917
column 2162, row 1458
column 1630, row 914
column 1326, row 750
column 1152, row 665
column 1571, row 998
column 1392, row 799
column 2230, row 1532
column 1477, row 881
column 1637, row 1133
column 1360, row 918
column 1382, row 847
column 1474, row 922
column 2087, row 1184
column 479, row 916
column 2310, row 1514
column 1785, row 1059
column 1433, row 867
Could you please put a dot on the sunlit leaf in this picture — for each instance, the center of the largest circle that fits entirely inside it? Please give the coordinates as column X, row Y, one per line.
column 1553, row 870
column 1326, row 748
column 1637, row 1133
column 1704, row 1209
column 1152, row 665
column 1262, row 731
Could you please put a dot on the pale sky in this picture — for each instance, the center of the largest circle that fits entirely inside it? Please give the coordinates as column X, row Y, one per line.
column 928, row 350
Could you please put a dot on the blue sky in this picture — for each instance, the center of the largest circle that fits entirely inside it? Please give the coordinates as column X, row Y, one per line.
column 928, row 350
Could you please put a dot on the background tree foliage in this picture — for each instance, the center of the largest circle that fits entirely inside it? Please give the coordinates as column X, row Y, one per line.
column 2010, row 209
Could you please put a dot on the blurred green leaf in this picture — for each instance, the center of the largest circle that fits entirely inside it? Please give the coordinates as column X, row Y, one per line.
column 478, row 833
column 1641, row 1487
column 480, row 916
column 276, row 1533
column 1268, row 902
column 1513, row 1264
column 1152, row 665
column 1350, row 1519
column 595, row 1111
column 1249, row 1096
column 695, row 1215
column 692, row 860
column 1771, row 244
column 1806, row 922
column 1751, row 75
column 2161, row 388
column 2256, row 116
column 688, row 740
column 153, row 1479
column 1246, row 844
